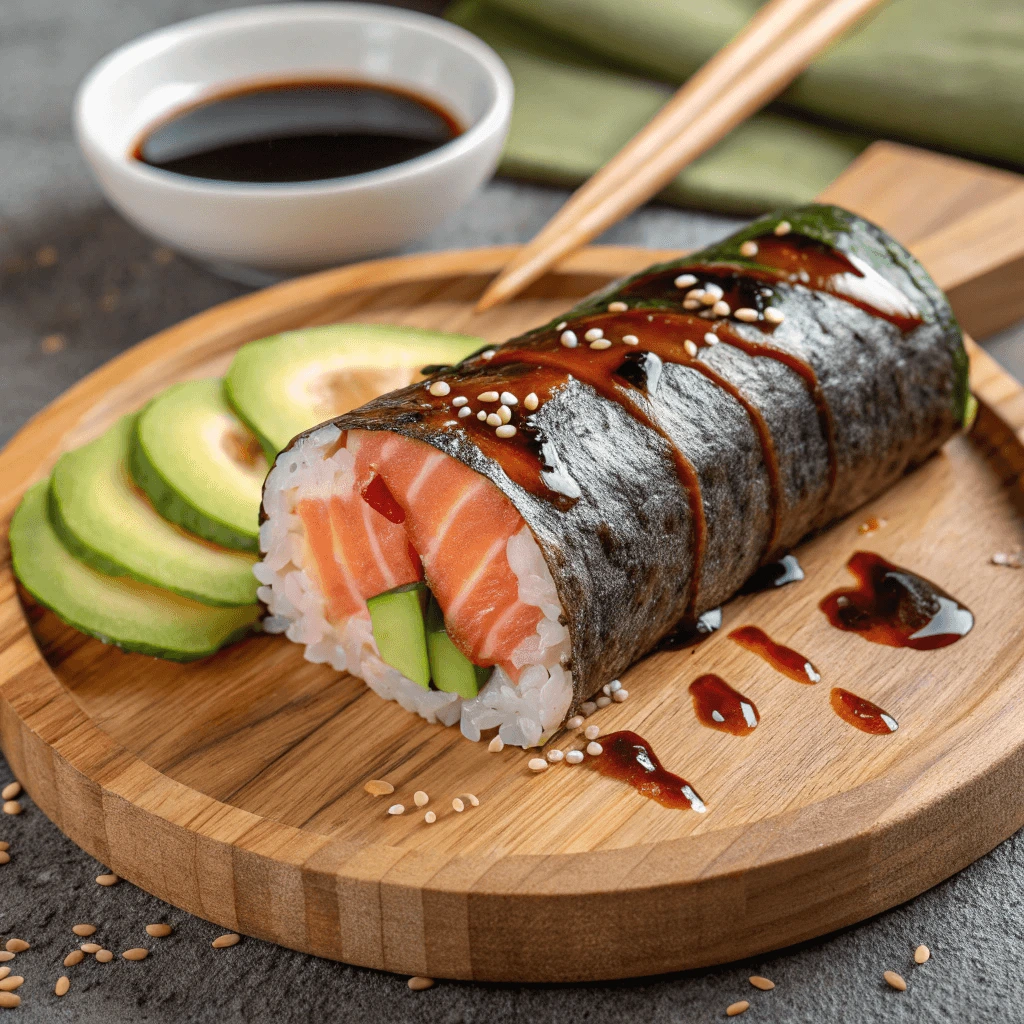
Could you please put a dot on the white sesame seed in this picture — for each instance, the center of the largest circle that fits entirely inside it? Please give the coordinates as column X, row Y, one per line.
column 630, row 339
column 783, row 228
column 472, row 799
column 496, row 746
column 537, row 764
column 697, row 295
column 531, row 401
column 420, row 798
column 620, row 695
column 721, row 308
column 574, row 757
column 746, row 314
column 600, row 343
column 592, row 732
column 430, row 817
column 691, row 304
column 593, row 334
column 588, row 707
column 460, row 400
column 481, row 415
column 505, row 431
column 493, row 420
column 684, row 280
column 504, row 414
column 440, row 388
column 488, row 355
column 606, row 690
column 594, row 748
column 614, row 685
column 569, row 339
column 575, row 722
column 690, row 348
column 617, row 307
column 748, row 249
column 556, row 755
column 458, row 805
column 488, row 396
column 603, row 702
column 711, row 338
column 507, row 398
column 464, row 412
column 396, row 809
column 773, row 315
column 561, row 326
column 712, row 293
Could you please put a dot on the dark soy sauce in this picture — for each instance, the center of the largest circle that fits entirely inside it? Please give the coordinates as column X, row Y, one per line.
column 861, row 713
column 719, row 706
column 773, row 575
column 894, row 606
column 687, row 633
column 629, row 758
column 784, row 659
column 296, row 131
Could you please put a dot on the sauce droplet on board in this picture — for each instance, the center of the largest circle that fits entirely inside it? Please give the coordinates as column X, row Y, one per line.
column 774, row 575
column 861, row 713
column 787, row 661
column 719, row 706
column 629, row 758
column 894, row 606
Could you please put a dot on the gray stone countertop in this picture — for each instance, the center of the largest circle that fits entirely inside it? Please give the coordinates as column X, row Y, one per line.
column 77, row 286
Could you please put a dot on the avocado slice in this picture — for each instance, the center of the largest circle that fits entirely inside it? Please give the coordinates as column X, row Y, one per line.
column 287, row 383
column 117, row 610
column 450, row 669
column 200, row 466
column 104, row 520
column 397, row 618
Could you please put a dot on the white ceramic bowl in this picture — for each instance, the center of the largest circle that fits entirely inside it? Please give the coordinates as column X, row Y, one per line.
column 249, row 231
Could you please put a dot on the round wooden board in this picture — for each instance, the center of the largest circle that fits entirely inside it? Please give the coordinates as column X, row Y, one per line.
column 233, row 787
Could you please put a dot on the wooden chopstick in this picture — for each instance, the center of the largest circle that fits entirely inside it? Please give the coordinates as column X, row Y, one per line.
column 771, row 51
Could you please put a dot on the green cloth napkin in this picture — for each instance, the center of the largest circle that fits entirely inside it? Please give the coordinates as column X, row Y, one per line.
column 946, row 73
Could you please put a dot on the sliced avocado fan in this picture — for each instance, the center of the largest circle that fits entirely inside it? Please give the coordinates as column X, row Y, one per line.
column 199, row 465
column 290, row 382
column 103, row 519
column 117, row 610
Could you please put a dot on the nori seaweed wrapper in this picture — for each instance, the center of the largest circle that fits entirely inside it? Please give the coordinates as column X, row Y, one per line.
column 658, row 474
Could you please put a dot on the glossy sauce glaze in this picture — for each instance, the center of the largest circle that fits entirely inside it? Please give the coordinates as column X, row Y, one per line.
column 718, row 706
column 293, row 131
column 629, row 758
column 774, row 575
column 894, row 606
column 783, row 659
column 689, row 633
column 861, row 713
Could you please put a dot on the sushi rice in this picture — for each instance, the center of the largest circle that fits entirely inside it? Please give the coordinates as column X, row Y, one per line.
column 524, row 712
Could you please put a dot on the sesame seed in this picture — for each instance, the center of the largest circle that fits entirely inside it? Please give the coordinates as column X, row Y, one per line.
column 614, row 685
column 5, row 857
column 488, row 355
column 712, row 293
column 109, row 879
column 562, row 325
column 593, row 334
column 11, row 983
column 464, row 412
column 496, row 745
column 575, row 722
column 4, row 971
column 617, row 307
column 569, row 339
column 159, row 931
column 748, row 249
column 697, row 295
column 746, row 314
column 773, row 315
column 588, row 707
column 630, row 339
column 537, row 764
column 440, row 388
column 783, row 228
column 76, row 956
column 460, row 400
column 62, row 986
column 606, row 690
column 711, row 338
column 5, row 956
column 893, row 980
column 922, row 954
column 504, row 414
column 592, row 732
column 481, row 415
column 4, row 845
column 735, row 1009
column 396, row 809
column 226, row 940
column 603, row 701
column 378, row 787
column 620, row 695
column 531, row 401
column 574, row 757
column 90, row 947
column 493, row 420
column 556, row 755
column 764, row 984
column 458, row 805
column 488, row 396
column 507, row 398
column 84, row 930
column 690, row 348
column 721, row 308
column 684, row 280
column 12, row 807
column 104, row 956
column 472, row 799
column 691, row 304
column 419, row 984
column 9, row 1000
column 594, row 748
column 139, row 953
column 11, row 791
column 420, row 798
column 430, row 817
column 600, row 343
column 505, row 431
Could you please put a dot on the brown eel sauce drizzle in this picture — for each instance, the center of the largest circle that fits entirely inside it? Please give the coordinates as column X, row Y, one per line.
column 774, row 575
column 783, row 659
column 718, row 706
column 861, row 713
column 894, row 606
column 629, row 758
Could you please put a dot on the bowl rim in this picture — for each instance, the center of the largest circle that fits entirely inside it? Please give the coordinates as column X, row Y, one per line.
column 266, row 16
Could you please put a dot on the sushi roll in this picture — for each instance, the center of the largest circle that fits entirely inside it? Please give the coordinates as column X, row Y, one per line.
column 493, row 545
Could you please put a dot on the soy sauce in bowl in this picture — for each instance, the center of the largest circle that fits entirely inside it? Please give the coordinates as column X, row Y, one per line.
column 296, row 131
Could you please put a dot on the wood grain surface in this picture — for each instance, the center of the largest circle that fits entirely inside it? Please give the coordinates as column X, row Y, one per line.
column 233, row 787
